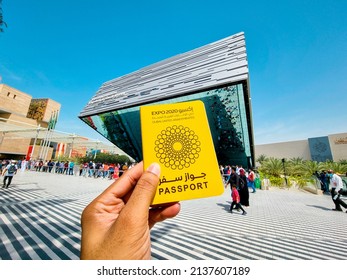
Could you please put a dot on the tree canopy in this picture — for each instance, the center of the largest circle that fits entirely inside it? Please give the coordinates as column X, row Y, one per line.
column 2, row 22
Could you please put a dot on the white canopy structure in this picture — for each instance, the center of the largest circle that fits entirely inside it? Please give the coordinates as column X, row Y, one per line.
column 10, row 129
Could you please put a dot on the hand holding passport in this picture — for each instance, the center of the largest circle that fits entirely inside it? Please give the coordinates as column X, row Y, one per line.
column 178, row 137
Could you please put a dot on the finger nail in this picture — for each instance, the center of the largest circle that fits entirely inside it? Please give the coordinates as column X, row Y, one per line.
column 154, row 168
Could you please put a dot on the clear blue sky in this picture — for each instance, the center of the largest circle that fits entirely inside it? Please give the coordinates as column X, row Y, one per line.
column 297, row 53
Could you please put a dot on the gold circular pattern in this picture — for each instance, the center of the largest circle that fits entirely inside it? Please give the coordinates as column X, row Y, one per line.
column 177, row 147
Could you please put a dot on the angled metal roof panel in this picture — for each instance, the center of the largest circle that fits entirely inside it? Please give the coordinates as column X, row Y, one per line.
column 212, row 65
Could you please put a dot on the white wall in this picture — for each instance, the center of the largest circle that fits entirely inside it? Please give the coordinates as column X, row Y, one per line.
column 338, row 146
column 288, row 150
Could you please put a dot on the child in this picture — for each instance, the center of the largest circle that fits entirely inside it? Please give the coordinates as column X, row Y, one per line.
column 236, row 200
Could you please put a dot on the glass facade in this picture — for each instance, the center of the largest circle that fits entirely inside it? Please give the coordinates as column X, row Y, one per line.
column 228, row 114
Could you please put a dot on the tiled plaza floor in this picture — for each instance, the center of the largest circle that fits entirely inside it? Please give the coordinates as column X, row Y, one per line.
column 40, row 219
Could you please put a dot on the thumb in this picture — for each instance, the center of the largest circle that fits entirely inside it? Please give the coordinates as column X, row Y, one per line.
column 143, row 194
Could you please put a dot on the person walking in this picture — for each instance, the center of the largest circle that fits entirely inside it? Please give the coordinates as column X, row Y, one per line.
column 234, row 178
column 236, row 200
column 23, row 166
column 8, row 173
column 323, row 177
column 251, row 178
column 335, row 187
column 226, row 174
column 243, row 189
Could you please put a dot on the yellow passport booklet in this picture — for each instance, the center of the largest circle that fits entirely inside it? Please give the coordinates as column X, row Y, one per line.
column 178, row 137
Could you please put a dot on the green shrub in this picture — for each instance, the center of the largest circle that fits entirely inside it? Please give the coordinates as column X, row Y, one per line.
column 276, row 181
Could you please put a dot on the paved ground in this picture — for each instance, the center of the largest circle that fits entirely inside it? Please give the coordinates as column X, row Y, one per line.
column 40, row 219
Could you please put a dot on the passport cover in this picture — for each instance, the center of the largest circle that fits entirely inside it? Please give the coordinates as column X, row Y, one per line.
column 178, row 137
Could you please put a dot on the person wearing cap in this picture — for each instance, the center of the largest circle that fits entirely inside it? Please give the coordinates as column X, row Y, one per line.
column 335, row 188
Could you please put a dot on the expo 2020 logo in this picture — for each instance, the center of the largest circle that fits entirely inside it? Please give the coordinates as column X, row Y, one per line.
column 177, row 147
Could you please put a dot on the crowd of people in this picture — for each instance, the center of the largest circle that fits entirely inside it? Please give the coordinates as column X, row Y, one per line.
column 324, row 178
column 232, row 175
column 332, row 184
column 239, row 181
column 87, row 169
column 90, row 169
column 117, row 223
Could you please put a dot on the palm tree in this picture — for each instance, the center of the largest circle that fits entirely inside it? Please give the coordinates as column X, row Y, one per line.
column 310, row 168
column 261, row 158
column 272, row 167
column 296, row 160
column 293, row 166
column 343, row 162
column 337, row 167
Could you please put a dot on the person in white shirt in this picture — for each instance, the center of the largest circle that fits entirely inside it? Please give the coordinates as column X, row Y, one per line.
column 23, row 165
column 335, row 188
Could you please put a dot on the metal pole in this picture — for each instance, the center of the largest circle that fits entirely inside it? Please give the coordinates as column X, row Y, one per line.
column 284, row 170
column 34, row 144
column 43, row 145
column 96, row 149
column 54, row 117
column 46, row 141
column 71, row 147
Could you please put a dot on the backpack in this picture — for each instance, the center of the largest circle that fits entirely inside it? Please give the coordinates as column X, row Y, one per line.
column 11, row 169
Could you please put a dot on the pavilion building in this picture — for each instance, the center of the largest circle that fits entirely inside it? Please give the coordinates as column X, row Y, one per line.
column 19, row 112
column 216, row 74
